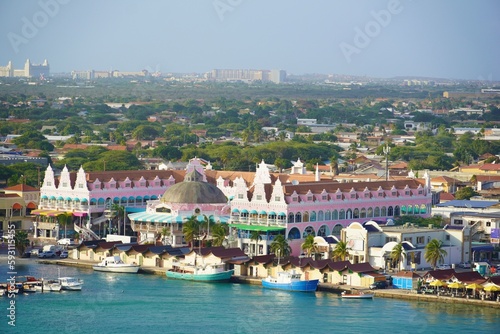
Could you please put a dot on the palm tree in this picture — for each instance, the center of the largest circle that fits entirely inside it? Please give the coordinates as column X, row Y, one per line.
column 120, row 211
column 280, row 247
column 334, row 165
column 191, row 230
column 341, row 252
column 398, row 254
column 63, row 220
column 255, row 236
column 219, row 233
column 310, row 246
column 21, row 241
column 165, row 232
column 434, row 252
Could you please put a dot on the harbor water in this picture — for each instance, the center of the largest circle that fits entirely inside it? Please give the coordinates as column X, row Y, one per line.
column 138, row 303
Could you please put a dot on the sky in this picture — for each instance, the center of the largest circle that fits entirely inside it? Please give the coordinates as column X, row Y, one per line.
column 452, row 39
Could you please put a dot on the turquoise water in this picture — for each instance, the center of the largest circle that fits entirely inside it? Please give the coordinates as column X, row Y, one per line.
column 127, row 303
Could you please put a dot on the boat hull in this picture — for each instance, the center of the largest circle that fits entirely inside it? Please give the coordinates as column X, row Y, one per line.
column 120, row 269
column 302, row 286
column 224, row 276
column 357, row 296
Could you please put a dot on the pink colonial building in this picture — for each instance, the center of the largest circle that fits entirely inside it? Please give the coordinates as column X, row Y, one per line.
column 272, row 205
column 295, row 205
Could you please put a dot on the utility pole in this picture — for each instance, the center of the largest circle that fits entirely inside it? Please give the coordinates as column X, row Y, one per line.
column 387, row 149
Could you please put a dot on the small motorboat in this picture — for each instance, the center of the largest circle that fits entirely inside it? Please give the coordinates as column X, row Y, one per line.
column 114, row 264
column 356, row 294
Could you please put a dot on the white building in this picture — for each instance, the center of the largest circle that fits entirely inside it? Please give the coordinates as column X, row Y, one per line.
column 373, row 242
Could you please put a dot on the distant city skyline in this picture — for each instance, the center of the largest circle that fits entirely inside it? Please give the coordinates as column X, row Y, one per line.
column 376, row 38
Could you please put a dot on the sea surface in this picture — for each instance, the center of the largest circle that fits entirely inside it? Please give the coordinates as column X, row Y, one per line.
column 138, row 303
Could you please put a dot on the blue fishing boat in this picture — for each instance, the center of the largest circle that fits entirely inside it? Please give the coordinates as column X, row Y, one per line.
column 290, row 281
column 201, row 273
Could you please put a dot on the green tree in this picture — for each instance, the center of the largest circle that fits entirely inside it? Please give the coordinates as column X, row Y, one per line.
column 64, row 220
column 191, row 230
column 165, row 233
column 341, row 251
column 398, row 255
column 33, row 140
column 310, row 246
column 119, row 211
column 280, row 247
column 255, row 236
column 21, row 240
column 219, row 233
column 465, row 193
column 434, row 252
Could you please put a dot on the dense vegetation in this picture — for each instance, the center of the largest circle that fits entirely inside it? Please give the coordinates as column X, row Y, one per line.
column 176, row 120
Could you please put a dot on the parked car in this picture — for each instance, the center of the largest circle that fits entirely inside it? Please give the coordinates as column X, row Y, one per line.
column 443, row 266
column 379, row 285
column 64, row 254
column 35, row 251
column 47, row 254
column 66, row 242
column 465, row 265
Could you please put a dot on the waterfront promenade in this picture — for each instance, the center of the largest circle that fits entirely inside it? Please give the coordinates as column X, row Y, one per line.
column 324, row 287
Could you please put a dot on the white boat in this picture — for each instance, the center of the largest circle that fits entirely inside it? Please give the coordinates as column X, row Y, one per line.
column 201, row 273
column 114, row 264
column 70, row 283
column 355, row 294
column 49, row 286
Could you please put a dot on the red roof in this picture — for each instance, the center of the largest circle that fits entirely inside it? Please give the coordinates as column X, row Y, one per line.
column 407, row 274
column 444, row 196
column 490, row 167
column 22, row 188
column 470, row 277
column 444, row 274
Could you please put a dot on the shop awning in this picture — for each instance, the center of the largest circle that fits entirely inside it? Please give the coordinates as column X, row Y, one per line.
column 257, row 227
column 154, row 218
column 39, row 212
column 79, row 214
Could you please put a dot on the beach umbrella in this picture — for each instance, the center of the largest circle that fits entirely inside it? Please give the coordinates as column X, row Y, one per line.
column 437, row 283
column 492, row 288
column 456, row 285
column 475, row 286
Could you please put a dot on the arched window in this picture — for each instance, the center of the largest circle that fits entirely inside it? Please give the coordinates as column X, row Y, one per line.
column 369, row 213
column 328, row 215
column 294, row 233
column 291, row 218
column 298, row 217
column 403, row 209
column 348, row 214
column 313, row 216
column 410, row 210
column 397, row 211
column 336, row 229
column 335, row 215
column 356, row 213
column 306, row 216
column 390, row 211
column 383, row 212
column 323, row 231
column 342, row 214
column 423, row 209
column 321, row 216
column 308, row 231
column 376, row 212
